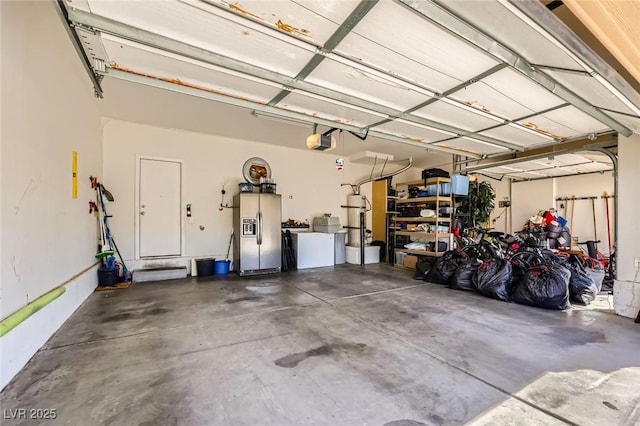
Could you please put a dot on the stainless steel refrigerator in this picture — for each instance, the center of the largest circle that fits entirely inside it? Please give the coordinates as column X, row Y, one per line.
column 257, row 220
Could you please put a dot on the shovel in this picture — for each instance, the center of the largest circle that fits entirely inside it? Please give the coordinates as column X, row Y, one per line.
column 229, row 248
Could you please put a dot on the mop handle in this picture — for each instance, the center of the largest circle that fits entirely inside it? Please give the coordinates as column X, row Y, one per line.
column 606, row 201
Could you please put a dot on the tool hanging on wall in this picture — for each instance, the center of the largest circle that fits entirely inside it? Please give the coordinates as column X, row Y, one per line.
column 595, row 227
column 606, row 206
column 105, row 238
column 107, row 242
column 573, row 206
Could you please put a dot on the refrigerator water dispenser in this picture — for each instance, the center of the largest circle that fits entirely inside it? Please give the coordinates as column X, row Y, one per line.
column 249, row 226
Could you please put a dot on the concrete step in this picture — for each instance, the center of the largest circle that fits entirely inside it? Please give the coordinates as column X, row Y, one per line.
column 159, row 273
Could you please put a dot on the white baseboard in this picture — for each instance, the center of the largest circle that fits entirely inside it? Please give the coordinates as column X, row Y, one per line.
column 20, row 344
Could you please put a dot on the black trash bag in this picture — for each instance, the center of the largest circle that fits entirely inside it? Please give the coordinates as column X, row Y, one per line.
column 551, row 257
column 493, row 278
column 462, row 279
column 582, row 287
column 518, row 269
column 445, row 267
column 544, row 286
column 423, row 266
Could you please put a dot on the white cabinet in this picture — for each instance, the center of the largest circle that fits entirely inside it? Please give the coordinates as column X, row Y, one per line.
column 314, row 249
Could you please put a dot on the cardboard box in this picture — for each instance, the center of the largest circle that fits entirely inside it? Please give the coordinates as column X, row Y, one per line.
column 410, row 261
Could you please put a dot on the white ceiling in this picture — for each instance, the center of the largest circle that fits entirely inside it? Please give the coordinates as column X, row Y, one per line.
column 411, row 75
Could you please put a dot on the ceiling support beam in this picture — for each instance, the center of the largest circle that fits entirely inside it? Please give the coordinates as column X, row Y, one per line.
column 435, row 11
column 106, row 25
column 535, row 154
column 275, row 111
column 519, row 180
column 332, row 42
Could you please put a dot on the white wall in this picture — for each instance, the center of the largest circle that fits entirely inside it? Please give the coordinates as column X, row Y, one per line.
column 308, row 181
column 626, row 297
column 499, row 219
column 592, row 185
column 48, row 111
column 527, row 198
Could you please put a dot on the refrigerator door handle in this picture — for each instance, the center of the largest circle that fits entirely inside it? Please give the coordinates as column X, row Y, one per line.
column 259, row 223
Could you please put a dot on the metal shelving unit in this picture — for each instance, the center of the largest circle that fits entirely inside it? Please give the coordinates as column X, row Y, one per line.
column 401, row 223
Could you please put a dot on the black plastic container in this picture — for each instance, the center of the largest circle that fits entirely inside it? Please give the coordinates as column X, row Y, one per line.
column 107, row 277
column 205, row 267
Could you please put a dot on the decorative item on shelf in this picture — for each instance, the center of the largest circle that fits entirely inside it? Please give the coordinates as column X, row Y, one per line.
column 254, row 169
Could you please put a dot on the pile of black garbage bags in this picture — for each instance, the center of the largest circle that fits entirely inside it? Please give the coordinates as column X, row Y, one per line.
column 545, row 280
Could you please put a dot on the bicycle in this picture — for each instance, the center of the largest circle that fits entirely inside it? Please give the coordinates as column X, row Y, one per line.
column 484, row 246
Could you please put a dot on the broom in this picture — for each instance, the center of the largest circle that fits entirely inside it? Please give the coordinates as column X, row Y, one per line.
column 105, row 238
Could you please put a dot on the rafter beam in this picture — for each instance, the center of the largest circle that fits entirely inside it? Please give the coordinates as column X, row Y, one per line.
column 332, row 42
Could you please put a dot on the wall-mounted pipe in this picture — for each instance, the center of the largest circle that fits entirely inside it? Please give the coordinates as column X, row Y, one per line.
column 15, row 319
column 356, row 187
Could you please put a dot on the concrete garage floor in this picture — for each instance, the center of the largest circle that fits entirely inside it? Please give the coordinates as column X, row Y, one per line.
column 329, row 346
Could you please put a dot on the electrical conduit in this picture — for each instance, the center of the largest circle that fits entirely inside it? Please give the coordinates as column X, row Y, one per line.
column 353, row 201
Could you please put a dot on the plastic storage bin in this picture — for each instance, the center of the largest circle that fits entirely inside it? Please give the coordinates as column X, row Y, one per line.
column 431, row 190
column 268, row 188
column 445, row 189
column 246, row 187
column 460, row 185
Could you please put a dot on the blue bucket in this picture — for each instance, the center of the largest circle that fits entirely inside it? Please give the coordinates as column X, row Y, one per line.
column 221, row 267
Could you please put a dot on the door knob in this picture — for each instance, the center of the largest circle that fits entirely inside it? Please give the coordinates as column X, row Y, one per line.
column 141, row 213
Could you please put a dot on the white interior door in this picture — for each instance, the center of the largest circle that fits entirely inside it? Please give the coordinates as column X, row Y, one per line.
column 160, row 225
